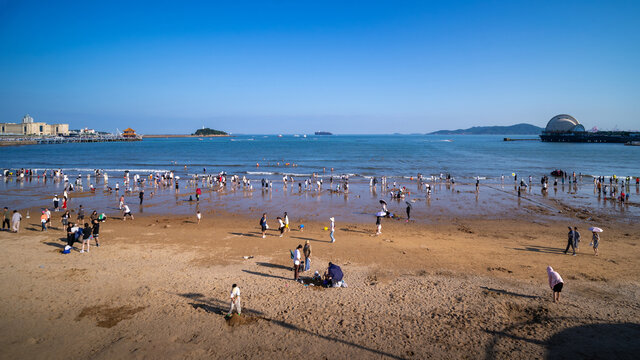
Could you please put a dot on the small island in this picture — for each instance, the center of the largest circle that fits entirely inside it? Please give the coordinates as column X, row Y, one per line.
column 209, row 132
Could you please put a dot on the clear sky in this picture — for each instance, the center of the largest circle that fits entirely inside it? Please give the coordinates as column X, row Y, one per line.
column 301, row 66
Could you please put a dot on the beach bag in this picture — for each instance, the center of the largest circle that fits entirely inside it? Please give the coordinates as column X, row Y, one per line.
column 291, row 251
column 67, row 249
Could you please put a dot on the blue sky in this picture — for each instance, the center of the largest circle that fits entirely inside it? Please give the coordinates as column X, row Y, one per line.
column 301, row 66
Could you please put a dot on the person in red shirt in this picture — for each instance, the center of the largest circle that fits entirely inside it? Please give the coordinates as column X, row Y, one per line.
column 198, row 193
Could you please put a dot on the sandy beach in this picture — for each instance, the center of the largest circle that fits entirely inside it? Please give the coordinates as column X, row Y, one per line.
column 158, row 287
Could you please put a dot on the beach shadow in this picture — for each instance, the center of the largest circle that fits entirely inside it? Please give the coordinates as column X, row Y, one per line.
column 192, row 295
column 218, row 307
column 59, row 246
column 505, row 292
column 214, row 306
column 599, row 341
column 267, row 275
column 245, row 234
column 355, row 231
column 275, row 266
column 540, row 249
column 310, row 239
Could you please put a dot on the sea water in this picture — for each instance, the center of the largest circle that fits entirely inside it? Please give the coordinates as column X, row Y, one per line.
column 462, row 156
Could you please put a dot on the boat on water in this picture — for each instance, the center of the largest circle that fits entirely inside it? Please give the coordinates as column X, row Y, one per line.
column 632, row 143
column 323, row 133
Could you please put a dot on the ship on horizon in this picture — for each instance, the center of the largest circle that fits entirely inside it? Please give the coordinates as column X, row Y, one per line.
column 323, row 133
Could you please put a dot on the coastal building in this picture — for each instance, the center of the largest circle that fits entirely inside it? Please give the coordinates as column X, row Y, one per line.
column 565, row 128
column 129, row 133
column 31, row 128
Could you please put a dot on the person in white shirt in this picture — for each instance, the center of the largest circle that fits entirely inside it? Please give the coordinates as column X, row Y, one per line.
column 280, row 225
column 235, row 300
column 332, row 228
column 286, row 222
column 126, row 212
column 15, row 221
column 297, row 257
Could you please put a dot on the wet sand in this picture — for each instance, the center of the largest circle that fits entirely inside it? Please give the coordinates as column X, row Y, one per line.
column 453, row 287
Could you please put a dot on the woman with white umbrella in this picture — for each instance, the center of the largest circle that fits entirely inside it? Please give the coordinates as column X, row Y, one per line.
column 595, row 239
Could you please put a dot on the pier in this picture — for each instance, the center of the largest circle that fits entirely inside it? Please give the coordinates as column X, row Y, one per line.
column 64, row 140
column 510, row 139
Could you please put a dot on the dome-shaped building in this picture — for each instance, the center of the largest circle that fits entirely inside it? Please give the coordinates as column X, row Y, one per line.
column 563, row 123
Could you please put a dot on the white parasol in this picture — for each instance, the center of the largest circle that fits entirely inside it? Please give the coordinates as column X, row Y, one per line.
column 595, row 229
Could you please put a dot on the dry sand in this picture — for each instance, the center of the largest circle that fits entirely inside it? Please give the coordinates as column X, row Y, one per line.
column 159, row 285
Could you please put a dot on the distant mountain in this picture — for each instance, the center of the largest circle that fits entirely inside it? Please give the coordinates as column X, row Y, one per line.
column 518, row 129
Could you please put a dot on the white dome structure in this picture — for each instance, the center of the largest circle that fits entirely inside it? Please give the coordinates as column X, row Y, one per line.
column 563, row 123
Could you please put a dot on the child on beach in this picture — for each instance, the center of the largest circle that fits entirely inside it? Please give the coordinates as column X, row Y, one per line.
column 555, row 283
column 43, row 221
column 198, row 216
column 263, row 225
column 378, row 225
column 235, row 300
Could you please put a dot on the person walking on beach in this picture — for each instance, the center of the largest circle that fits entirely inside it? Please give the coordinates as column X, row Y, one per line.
column 235, row 300
column 576, row 238
column 378, row 225
column 5, row 219
column 595, row 241
column 570, row 242
column 15, row 221
column 307, row 255
column 121, row 204
column 64, row 219
column 198, row 193
column 555, row 283
column 80, row 214
column 43, row 221
column 332, row 229
column 198, row 216
column 141, row 196
column 56, row 202
column 408, row 211
column 263, row 225
column 297, row 257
